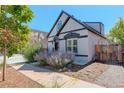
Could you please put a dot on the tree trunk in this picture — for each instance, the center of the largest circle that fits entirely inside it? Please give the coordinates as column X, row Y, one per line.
column 4, row 64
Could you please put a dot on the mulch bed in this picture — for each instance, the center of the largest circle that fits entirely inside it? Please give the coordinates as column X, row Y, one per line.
column 88, row 72
column 15, row 79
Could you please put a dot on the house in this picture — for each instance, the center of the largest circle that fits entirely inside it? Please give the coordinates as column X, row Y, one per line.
column 70, row 34
column 37, row 36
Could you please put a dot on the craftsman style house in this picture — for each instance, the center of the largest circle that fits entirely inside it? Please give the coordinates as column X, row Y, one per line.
column 70, row 34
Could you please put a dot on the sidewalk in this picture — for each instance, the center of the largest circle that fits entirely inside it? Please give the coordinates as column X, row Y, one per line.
column 16, row 58
column 51, row 79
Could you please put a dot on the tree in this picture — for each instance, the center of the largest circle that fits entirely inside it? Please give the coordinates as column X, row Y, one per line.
column 116, row 34
column 14, row 30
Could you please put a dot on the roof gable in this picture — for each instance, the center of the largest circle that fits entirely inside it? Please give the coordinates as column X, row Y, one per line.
column 62, row 17
column 89, row 28
column 71, row 25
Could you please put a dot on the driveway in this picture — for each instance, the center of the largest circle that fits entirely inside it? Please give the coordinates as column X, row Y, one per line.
column 112, row 77
column 50, row 79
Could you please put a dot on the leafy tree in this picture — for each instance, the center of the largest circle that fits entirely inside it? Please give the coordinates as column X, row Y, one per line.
column 116, row 34
column 14, row 30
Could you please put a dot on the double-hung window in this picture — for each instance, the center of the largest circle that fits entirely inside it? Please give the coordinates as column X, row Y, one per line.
column 72, row 45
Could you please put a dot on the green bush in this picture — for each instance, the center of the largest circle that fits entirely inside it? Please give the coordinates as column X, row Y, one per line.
column 30, row 50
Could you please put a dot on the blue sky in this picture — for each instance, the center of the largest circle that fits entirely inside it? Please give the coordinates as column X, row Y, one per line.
column 46, row 15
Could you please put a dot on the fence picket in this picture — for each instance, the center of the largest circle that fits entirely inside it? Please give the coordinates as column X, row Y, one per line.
column 110, row 52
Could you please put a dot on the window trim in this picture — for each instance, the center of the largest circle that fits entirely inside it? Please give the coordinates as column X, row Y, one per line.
column 72, row 45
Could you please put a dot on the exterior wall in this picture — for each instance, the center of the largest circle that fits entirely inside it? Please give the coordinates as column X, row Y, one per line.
column 50, row 44
column 62, row 46
column 82, row 50
column 81, row 41
column 82, row 57
column 50, row 38
column 94, row 39
column 71, row 25
column 50, row 47
column 83, row 46
column 62, row 18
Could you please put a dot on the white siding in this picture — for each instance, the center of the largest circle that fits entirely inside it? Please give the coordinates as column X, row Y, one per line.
column 81, row 32
column 50, row 38
column 50, row 47
column 71, row 25
column 62, row 18
column 83, row 46
column 62, row 46
column 94, row 39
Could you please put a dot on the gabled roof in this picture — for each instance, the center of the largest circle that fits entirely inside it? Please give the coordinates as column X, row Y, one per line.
column 81, row 23
column 55, row 23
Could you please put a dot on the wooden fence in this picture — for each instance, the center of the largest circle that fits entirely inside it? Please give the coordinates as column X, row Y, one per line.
column 113, row 52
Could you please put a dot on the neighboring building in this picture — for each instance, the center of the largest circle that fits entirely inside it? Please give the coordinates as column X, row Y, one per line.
column 70, row 34
column 39, row 37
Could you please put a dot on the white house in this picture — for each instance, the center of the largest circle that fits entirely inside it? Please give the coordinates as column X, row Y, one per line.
column 70, row 34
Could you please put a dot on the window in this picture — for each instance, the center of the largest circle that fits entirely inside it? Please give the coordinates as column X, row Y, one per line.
column 72, row 45
column 59, row 25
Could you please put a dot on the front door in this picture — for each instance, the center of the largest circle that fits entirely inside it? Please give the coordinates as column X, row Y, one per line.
column 56, row 46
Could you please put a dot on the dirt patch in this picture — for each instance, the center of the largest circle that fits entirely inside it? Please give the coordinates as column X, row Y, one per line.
column 89, row 72
column 15, row 79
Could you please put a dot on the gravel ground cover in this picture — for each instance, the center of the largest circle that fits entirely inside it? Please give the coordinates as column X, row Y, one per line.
column 112, row 77
column 89, row 73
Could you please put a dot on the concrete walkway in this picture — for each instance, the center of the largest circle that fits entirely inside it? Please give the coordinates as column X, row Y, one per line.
column 51, row 79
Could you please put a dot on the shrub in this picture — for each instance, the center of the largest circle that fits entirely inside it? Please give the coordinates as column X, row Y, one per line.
column 30, row 50
column 41, row 57
column 56, row 59
column 59, row 60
